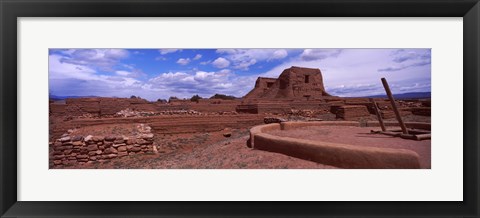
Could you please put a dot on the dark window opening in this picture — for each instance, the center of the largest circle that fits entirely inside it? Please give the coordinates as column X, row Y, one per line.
column 269, row 84
column 307, row 78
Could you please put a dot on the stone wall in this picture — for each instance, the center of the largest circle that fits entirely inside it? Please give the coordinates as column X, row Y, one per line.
column 73, row 149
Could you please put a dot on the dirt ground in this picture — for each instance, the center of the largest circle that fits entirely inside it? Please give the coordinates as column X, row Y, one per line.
column 360, row 136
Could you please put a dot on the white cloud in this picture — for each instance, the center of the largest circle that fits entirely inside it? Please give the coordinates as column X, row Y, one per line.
column 319, row 54
column 183, row 61
column 198, row 56
column 61, row 70
column 206, row 84
column 221, row 63
column 103, row 59
column 406, row 58
column 122, row 73
column 280, row 54
column 225, row 71
column 66, row 79
column 244, row 65
column 244, row 58
column 169, row 50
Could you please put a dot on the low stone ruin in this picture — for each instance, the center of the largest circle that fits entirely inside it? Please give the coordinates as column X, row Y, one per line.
column 73, row 149
column 351, row 112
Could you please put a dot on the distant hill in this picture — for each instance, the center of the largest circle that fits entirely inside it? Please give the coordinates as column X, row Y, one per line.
column 409, row 95
column 55, row 97
column 224, row 97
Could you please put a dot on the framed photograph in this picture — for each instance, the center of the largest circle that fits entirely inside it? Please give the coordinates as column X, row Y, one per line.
column 226, row 108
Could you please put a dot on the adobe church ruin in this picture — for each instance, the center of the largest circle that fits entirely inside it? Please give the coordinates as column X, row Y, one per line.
column 295, row 88
column 293, row 83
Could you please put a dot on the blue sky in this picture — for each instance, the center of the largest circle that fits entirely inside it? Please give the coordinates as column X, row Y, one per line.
column 161, row 73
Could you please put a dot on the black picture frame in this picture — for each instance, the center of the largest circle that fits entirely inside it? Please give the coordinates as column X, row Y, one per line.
column 10, row 10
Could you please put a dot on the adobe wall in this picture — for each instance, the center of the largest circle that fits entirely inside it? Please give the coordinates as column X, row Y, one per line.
column 110, row 106
column 97, row 106
column 73, row 149
column 335, row 154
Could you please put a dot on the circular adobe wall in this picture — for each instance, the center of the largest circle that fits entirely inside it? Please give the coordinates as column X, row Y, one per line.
column 335, row 154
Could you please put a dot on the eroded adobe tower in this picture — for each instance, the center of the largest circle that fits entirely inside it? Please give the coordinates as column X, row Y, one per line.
column 293, row 83
column 295, row 88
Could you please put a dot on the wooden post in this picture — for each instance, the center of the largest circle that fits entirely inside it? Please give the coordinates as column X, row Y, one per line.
column 379, row 116
column 394, row 106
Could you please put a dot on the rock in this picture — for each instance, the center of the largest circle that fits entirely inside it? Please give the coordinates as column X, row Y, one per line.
column 147, row 136
column 122, row 154
column 108, row 144
column 129, row 147
column 58, row 157
column 64, row 135
column 118, row 141
column 88, row 138
column 57, row 152
column 92, row 153
column 130, row 141
column 72, row 158
column 65, row 139
column 77, row 138
column 110, row 151
column 57, row 162
column 135, row 149
column 77, row 143
column 92, row 147
column 142, row 141
column 110, row 138
column 93, row 158
column 82, row 156
column 122, row 148
column 67, row 147
column 82, row 160
column 56, row 144
column 100, row 143
column 70, row 131
column 155, row 149
column 98, row 152
column 83, row 151
column 109, row 156
column 101, row 147
column 67, row 151
column 71, row 162
column 67, row 143
column 227, row 134
column 98, row 138
column 118, row 145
